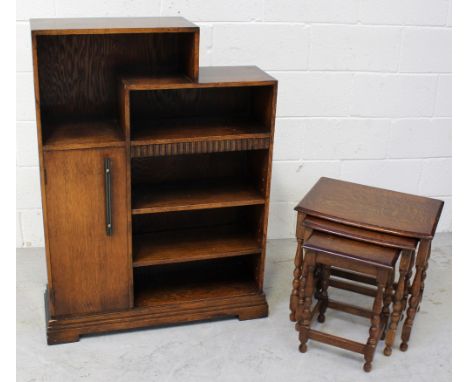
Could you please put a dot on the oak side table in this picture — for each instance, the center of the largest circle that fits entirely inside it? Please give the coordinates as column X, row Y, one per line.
column 382, row 213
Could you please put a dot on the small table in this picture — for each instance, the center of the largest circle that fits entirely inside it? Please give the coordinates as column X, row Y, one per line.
column 379, row 211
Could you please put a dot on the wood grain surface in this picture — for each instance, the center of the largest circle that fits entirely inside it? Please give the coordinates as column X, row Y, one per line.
column 372, row 208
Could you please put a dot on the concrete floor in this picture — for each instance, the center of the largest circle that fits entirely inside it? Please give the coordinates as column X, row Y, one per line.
column 230, row 350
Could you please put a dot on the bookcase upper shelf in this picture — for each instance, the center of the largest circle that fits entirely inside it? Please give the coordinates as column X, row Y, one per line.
column 227, row 107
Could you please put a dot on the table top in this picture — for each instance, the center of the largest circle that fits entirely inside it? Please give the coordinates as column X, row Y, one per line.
column 346, row 230
column 372, row 208
column 347, row 248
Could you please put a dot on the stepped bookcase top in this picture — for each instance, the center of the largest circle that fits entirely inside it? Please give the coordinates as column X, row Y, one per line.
column 110, row 25
column 211, row 76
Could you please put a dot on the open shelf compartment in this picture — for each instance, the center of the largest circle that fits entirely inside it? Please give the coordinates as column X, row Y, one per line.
column 79, row 78
column 200, row 181
column 199, row 114
column 187, row 236
column 191, row 282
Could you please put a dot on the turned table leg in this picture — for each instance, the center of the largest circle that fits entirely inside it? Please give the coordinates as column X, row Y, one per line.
column 422, row 259
column 302, row 292
column 388, row 296
column 398, row 303
column 423, row 276
column 298, row 260
column 307, row 293
column 323, row 295
column 407, row 285
column 294, row 301
column 375, row 322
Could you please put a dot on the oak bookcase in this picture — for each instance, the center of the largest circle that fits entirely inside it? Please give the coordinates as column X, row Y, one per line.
column 155, row 176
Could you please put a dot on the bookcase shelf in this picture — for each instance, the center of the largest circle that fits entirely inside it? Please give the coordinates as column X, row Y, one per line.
column 83, row 134
column 184, row 196
column 155, row 175
column 227, row 278
column 193, row 244
column 196, row 130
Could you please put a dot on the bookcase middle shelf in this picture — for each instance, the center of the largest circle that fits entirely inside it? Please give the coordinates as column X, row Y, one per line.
column 185, row 196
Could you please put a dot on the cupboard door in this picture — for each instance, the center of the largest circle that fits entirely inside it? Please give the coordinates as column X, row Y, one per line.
column 87, row 230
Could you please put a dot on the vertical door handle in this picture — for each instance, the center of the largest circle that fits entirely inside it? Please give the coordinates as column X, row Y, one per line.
column 108, row 190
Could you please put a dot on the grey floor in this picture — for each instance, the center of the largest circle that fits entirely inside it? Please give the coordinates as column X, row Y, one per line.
column 230, row 350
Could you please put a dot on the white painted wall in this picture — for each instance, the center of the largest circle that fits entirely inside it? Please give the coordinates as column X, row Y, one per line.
column 364, row 90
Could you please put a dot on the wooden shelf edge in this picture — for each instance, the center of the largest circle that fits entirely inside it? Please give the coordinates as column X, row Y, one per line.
column 75, row 135
column 192, row 245
column 81, row 146
column 188, row 259
column 113, row 25
column 200, row 206
column 209, row 77
column 198, row 85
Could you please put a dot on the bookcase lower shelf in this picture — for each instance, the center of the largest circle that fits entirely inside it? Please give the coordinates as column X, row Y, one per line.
column 250, row 305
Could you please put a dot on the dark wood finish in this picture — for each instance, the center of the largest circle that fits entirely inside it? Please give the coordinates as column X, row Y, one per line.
column 372, row 208
column 405, row 263
column 213, row 76
column 322, row 290
column 388, row 297
column 351, row 232
column 103, row 59
column 340, row 342
column 70, row 329
column 298, row 261
column 89, row 269
column 352, row 276
column 375, row 330
column 180, row 33
column 188, row 117
column 85, row 90
column 191, row 164
column 202, row 147
column 422, row 260
column 196, row 130
column 373, row 215
column 228, row 167
column 358, row 250
column 185, row 282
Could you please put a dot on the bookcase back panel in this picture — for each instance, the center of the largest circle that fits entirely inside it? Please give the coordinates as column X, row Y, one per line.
column 180, row 103
column 238, row 165
column 79, row 73
column 244, row 108
column 246, row 218
column 196, row 281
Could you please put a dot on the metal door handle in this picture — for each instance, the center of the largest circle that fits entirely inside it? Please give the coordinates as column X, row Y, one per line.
column 108, row 185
